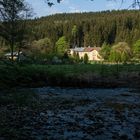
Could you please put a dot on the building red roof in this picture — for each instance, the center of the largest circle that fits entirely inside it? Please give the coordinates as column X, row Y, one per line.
column 89, row 49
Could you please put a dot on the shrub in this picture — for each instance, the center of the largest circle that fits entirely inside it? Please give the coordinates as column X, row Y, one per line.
column 85, row 58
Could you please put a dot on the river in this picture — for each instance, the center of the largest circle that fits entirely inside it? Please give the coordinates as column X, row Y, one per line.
column 89, row 113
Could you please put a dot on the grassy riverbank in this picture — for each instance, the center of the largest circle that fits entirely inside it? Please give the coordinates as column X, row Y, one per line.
column 68, row 75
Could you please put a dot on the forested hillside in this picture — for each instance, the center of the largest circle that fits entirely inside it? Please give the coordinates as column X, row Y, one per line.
column 58, row 33
column 91, row 28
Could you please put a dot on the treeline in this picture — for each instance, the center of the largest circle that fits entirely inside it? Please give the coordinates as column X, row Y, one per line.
column 92, row 29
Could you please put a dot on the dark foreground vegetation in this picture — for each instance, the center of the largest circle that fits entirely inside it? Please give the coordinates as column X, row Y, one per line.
column 90, row 75
column 15, row 106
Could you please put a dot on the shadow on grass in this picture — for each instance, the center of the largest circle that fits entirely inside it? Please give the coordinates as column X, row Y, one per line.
column 18, row 97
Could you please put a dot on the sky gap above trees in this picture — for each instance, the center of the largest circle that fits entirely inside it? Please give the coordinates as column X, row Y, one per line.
column 135, row 3
column 41, row 7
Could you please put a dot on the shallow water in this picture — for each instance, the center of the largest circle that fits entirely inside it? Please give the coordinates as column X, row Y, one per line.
column 90, row 113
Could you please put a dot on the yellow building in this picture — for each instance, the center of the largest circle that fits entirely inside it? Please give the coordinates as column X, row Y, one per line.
column 92, row 53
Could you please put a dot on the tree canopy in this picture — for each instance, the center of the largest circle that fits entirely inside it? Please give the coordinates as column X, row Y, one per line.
column 61, row 45
column 92, row 29
column 12, row 14
column 136, row 49
column 120, row 52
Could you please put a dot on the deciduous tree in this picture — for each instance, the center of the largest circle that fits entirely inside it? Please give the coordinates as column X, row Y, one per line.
column 12, row 13
column 136, row 50
column 120, row 52
column 105, row 51
column 62, row 45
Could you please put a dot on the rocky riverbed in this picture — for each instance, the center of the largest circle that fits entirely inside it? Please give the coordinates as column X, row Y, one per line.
column 76, row 114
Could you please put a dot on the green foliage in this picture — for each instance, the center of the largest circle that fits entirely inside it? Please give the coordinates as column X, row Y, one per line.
column 120, row 52
column 115, row 56
column 13, row 16
column 40, row 49
column 74, row 35
column 85, row 58
column 88, row 29
column 87, row 41
column 74, row 31
column 65, row 56
column 95, row 28
column 124, row 57
column 43, row 45
column 136, row 50
column 105, row 51
column 74, row 54
column 62, row 45
column 38, row 75
column 76, row 57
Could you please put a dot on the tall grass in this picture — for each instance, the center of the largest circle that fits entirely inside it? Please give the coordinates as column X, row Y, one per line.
column 29, row 75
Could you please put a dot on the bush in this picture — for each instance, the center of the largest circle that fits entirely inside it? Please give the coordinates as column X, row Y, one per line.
column 85, row 58
column 120, row 53
column 136, row 50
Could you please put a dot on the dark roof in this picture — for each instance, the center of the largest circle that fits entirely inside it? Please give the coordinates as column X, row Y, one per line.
column 79, row 49
column 86, row 49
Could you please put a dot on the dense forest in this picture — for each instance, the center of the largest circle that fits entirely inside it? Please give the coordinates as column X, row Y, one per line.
column 93, row 29
column 83, row 30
